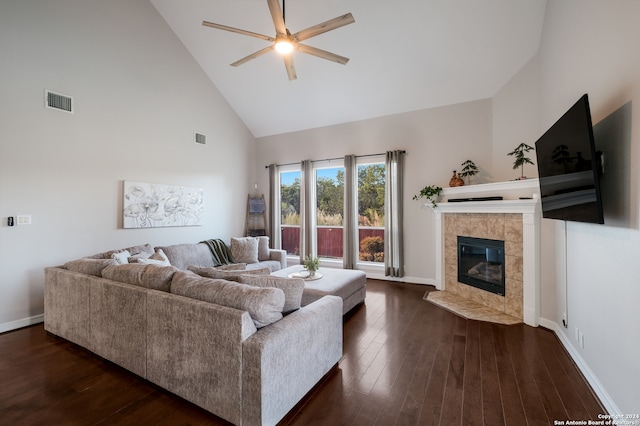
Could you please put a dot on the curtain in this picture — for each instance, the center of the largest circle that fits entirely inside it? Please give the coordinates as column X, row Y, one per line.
column 275, row 240
column 306, row 219
column 393, row 218
column 350, row 212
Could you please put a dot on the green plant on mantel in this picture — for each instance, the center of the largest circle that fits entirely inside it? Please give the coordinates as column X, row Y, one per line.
column 430, row 192
column 521, row 159
column 469, row 169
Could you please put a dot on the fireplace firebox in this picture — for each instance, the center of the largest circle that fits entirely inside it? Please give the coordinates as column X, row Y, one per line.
column 481, row 264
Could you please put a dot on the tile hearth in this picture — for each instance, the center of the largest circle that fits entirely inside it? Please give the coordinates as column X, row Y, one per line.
column 468, row 309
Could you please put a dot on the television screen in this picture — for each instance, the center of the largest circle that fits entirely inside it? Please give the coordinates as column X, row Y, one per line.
column 569, row 167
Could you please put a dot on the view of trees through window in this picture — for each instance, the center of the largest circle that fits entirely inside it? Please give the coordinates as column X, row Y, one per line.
column 290, row 211
column 329, row 211
column 371, row 179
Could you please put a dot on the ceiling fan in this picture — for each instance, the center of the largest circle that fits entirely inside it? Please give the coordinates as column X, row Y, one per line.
column 285, row 42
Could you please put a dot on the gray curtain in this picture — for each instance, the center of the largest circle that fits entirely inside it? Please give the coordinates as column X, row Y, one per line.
column 306, row 219
column 275, row 239
column 393, row 218
column 350, row 212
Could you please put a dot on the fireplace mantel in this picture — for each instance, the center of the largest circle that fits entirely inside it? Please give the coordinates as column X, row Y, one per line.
column 531, row 213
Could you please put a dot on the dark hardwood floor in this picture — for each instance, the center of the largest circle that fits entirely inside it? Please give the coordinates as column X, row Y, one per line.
column 406, row 362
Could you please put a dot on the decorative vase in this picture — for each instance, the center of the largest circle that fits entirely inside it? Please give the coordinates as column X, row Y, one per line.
column 456, row 180
column 312, row 273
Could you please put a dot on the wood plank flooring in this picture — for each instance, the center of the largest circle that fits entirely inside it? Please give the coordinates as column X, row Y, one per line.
column 406, row 362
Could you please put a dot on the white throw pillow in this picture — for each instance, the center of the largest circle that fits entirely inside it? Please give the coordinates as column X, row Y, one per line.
column 121, row 257
column 244, row 250
column 157, row 258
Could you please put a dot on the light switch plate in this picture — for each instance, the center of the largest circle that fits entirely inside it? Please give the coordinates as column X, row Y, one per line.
column 23, row 219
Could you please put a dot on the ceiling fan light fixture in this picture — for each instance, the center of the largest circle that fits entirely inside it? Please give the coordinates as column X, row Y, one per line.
column 283, row 45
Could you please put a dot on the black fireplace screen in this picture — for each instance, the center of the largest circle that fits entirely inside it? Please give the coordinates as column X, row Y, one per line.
column 481, row 263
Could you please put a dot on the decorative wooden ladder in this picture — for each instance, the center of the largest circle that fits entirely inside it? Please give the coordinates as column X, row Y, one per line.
column 256, row 224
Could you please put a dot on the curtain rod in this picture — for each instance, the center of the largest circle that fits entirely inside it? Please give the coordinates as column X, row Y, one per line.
column 333, row 159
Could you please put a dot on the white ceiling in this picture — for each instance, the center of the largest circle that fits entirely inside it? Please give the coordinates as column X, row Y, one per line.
column 405, row 55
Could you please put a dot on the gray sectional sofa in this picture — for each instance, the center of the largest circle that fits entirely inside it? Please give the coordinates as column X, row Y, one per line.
column 222, row 345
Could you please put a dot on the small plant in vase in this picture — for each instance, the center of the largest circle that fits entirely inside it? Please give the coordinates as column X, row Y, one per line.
column 311, row 264
column 521, row 159
column 469, row 169
column 430, row 193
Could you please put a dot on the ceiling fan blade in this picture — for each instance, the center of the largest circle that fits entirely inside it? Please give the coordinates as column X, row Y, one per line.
column 329, row 25
column 277, row 16
column 291, row 69
column 322, row 54
column 252, row 56
column 236, row 30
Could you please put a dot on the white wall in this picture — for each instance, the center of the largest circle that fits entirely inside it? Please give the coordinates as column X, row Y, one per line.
column 139, row 96
column 437, row 141
column 590, row 46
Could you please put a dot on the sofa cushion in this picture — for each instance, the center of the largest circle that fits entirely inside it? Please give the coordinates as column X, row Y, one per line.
column 89, row 266
column 157, row 258
column 227, row 274
column 244, row 250
column 263, row 304
column 183, row 255
column 292, row 288
column 155, row 277
column 263, row 248
column 232, row 267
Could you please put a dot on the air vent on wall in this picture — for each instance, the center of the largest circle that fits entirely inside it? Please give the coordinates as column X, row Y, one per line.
column 58, row 101
column 200, row 138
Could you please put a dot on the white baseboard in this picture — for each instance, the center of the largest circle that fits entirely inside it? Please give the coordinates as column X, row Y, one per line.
column 408, row 280
column 595, row 384
column 24, row 322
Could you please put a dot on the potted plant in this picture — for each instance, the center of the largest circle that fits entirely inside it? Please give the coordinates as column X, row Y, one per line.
column 311, row 264
column 430, row 192
column 469, row 169
column 521, row 159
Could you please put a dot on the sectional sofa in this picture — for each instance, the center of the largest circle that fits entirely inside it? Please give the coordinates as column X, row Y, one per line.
column 225, row 346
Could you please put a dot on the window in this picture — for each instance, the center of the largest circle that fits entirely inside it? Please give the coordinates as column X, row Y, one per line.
column 290, row 210
column 325, row 223
column 329, row 204
column 371, row 210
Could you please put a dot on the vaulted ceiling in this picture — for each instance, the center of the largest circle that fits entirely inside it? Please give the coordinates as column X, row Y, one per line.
column 405, row 55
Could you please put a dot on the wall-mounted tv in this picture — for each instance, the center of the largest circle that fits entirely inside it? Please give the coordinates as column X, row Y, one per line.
column 569, row 168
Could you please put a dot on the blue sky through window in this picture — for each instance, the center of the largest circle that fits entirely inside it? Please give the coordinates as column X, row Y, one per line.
column 287, row 178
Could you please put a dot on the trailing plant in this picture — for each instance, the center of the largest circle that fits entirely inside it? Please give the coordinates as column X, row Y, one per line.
column 469, row 169
column 430, row 192
column 521, row 159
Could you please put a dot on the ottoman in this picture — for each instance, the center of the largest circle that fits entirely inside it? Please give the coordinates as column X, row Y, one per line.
column 349, row 284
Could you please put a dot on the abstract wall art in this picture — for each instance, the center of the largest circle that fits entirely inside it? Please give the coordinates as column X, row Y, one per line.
column 151, row 205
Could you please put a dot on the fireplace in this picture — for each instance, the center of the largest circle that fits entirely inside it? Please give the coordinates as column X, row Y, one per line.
column 481, row 264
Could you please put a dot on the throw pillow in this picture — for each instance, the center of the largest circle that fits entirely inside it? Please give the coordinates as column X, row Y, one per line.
column 157, row 258
column 230, row 275
column 292, row 288
column 122, row 257
column 264, row 305
column 263, row 248
column 89, row 266
column 244, row 250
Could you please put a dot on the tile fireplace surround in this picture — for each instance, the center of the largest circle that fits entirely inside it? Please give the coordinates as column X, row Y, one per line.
column 514, row 220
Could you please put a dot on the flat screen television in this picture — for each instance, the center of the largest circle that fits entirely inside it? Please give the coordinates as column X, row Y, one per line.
column 569, row 168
